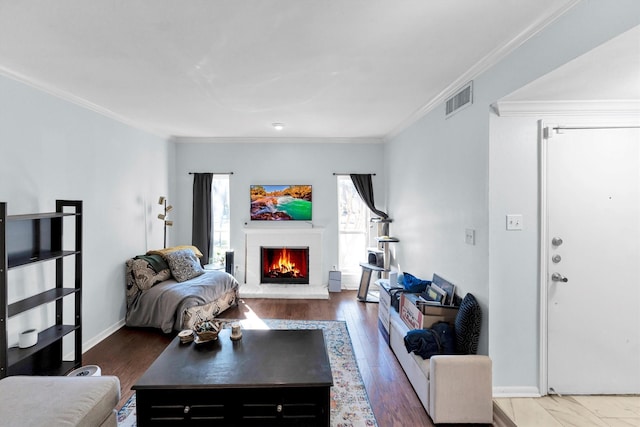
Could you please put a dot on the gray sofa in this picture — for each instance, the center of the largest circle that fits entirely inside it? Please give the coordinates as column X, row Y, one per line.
column 34, row 401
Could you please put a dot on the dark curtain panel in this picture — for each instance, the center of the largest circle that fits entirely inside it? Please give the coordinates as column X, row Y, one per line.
column 364, row 187
column 201, row 229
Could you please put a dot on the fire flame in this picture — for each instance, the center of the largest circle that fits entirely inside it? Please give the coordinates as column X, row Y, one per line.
column 284, row 264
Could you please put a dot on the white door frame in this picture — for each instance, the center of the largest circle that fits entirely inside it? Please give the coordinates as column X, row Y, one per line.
column 544, row 132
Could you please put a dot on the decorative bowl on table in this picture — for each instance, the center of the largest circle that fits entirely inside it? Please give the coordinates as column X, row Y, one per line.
column 207, row 330
column 186, row 336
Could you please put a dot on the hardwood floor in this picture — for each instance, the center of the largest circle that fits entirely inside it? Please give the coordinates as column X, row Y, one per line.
column 128, row 353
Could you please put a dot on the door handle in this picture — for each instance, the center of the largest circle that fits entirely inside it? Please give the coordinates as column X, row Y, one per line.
column 556, row 241
column 557, row 277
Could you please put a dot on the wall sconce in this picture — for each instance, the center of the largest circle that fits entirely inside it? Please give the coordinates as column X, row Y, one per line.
column 163, row 216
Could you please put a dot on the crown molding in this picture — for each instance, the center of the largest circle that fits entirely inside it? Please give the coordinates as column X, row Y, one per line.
column 274, row 140
column 76, row 100
column 608, row 108
column 490, row 60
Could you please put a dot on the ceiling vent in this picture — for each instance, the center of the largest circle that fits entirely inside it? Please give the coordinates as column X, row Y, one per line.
column 461, row 99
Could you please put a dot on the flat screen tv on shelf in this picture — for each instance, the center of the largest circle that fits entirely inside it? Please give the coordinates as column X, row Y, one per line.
column 281, row 203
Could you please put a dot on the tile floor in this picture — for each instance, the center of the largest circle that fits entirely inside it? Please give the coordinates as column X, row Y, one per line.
column 582, row 411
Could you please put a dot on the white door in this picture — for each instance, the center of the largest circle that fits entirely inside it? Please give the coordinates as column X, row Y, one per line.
column 593, row 304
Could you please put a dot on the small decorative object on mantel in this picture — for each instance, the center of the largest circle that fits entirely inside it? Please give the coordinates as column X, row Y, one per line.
column 236, row 333
column 163, row 216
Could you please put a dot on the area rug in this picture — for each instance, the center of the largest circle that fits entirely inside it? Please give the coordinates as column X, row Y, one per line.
column 350, row 405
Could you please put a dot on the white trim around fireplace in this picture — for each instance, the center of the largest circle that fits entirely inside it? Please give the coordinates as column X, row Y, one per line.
column 255, row 238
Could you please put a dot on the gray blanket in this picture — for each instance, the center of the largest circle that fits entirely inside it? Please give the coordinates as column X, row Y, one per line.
column 163, row 305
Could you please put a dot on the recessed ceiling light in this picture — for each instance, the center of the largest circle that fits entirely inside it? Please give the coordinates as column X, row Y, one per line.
column 278, row 126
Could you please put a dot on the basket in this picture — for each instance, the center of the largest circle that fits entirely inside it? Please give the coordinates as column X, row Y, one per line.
column 207, row 330
column 207, row 335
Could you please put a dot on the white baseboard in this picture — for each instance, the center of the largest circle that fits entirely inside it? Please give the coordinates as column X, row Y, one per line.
column 516, row 392
column 102, row 335
column 284, row 291
column 96, row 339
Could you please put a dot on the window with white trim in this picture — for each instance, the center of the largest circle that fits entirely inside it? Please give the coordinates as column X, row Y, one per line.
column 354, row 232
column 220, row 230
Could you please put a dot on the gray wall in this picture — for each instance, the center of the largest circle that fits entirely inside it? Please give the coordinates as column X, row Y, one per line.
column 442, row 174
column 52, row 149
column 310, row 162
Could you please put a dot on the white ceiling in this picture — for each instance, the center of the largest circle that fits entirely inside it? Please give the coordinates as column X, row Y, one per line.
column 213, row 68
column 611, row 71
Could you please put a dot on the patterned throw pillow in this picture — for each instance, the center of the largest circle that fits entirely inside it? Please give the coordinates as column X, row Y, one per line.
column 140, row 277
column 184, row 264
column 467, row 325
column 146, row 276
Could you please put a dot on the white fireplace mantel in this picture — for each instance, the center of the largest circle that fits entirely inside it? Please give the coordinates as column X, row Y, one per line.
column 255, row 238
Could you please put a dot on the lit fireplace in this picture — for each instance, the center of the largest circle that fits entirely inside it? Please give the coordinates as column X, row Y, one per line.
column 285, row 265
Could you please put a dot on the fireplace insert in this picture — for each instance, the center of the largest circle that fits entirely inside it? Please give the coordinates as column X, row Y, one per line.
column 284, row 265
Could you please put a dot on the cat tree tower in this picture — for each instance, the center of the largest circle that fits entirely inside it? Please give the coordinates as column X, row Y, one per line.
column 378, row 260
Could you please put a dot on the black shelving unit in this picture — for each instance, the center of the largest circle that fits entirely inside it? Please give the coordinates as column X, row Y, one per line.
column 26, row 240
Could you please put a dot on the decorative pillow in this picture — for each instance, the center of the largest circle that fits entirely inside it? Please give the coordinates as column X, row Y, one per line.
column 132, row 287
column 165, row 251
column 413, row 284
column 467, row 325
column 141, row 276
column 184, row 264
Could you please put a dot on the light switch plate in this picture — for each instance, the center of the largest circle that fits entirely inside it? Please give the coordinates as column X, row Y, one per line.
column 470, row 236
column 514, row 222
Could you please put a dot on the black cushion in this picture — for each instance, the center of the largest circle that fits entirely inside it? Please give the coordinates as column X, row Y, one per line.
column 467, row 325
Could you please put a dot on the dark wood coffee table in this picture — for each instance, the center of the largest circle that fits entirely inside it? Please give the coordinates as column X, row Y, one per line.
column 268, row 378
